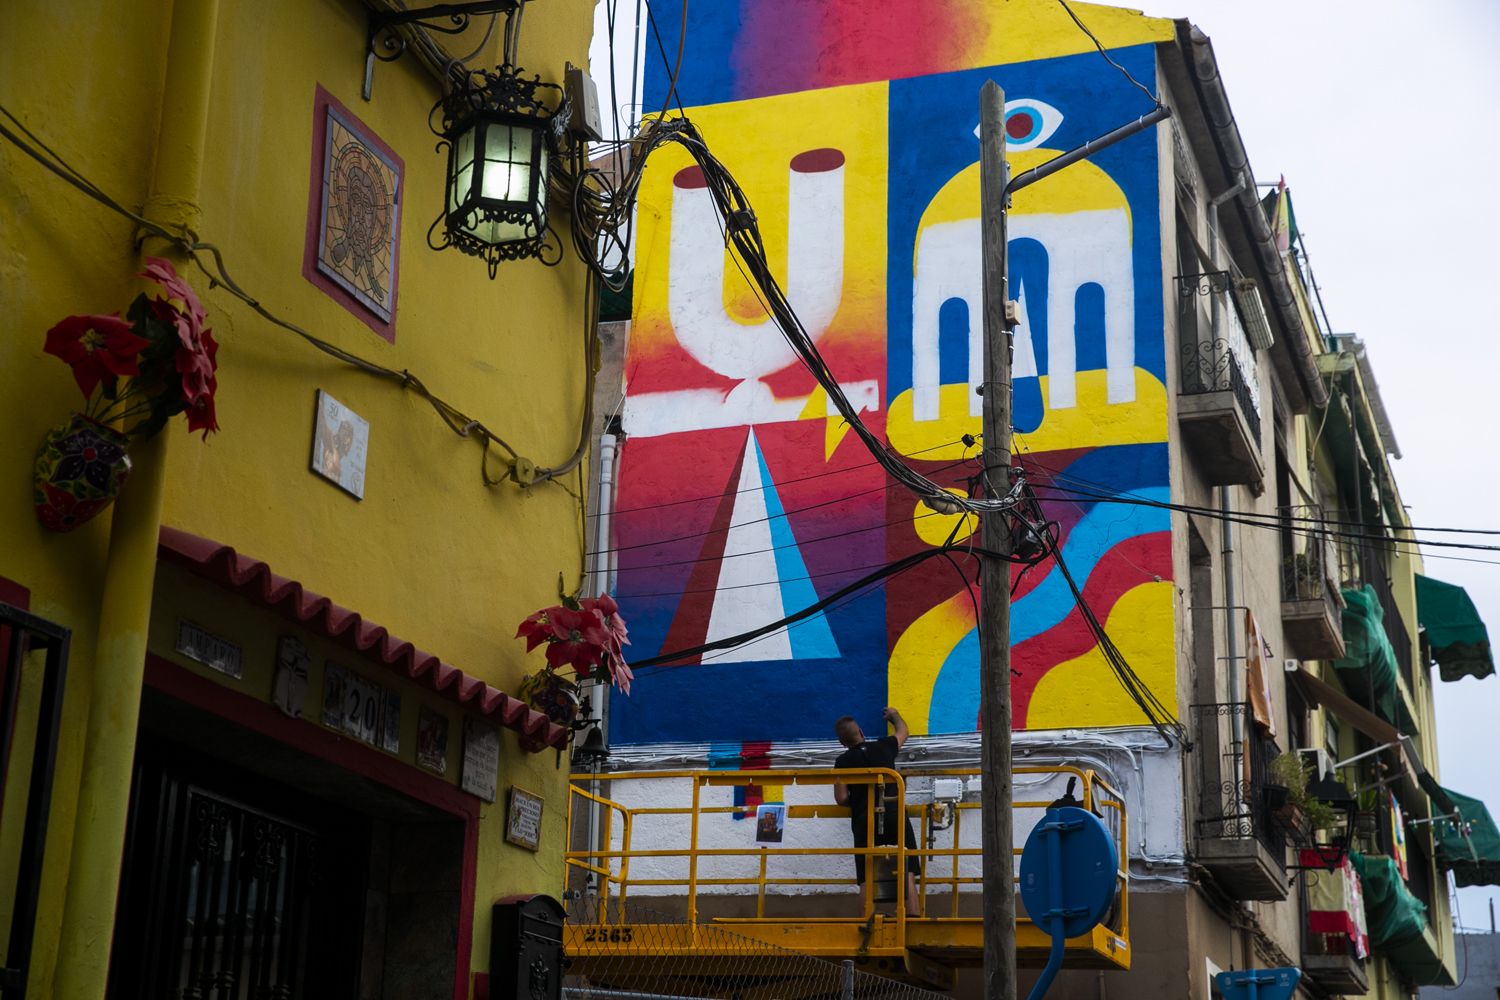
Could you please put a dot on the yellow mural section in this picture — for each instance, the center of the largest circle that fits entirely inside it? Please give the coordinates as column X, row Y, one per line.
column 757, row 140
column 1085, row 691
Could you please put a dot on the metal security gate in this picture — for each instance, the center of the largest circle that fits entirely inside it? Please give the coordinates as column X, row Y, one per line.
column 225, row 900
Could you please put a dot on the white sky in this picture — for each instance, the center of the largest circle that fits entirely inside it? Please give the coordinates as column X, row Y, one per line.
column 1384, row 118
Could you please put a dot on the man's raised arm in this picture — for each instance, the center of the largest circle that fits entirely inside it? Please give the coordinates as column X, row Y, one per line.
column 898, row 725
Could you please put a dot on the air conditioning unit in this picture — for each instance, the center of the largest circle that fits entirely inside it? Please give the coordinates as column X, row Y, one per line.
column 1319, row 760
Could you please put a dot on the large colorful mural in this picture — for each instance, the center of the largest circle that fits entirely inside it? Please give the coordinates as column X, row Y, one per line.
column 854, row 131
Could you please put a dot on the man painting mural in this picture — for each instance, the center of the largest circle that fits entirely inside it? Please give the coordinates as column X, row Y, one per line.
column 862, row 753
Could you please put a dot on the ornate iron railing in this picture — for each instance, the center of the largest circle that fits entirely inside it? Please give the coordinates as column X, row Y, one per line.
column 1307, row 563
column 1233, row 763
column 1216, row 355
column 1212, row 366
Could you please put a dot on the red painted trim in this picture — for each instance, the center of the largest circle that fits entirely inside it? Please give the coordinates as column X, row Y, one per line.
column 322, row 101
column 14, row 594
column 466, row 908
column 308, row 737
column 255, row 581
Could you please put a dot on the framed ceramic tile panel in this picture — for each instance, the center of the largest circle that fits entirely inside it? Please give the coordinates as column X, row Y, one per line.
column 353, row 243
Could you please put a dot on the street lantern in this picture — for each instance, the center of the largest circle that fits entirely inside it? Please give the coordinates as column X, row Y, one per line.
column 1333, row 846
column 499, row 132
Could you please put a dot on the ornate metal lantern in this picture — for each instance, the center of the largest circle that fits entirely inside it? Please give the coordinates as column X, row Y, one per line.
column 499, row 132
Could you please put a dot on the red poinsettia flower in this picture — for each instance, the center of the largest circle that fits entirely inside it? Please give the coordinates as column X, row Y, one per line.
column 536, row 630
column 609, row 612
column 197, row 366
column 164, row 274
column 578, row 639
column 96, row 348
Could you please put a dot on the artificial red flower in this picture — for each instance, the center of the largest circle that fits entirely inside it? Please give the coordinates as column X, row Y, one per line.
column 197, row 367
column 535, row 630
column 96, row 348
column 164, row 274
column 609, row 613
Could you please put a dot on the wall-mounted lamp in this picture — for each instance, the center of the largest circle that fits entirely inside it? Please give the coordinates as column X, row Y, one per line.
column 498, row 129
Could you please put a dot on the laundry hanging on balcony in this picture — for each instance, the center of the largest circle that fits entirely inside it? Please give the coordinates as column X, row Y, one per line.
column 1460, row 642
column 1335, row 904
column 1470, row 845
column 1368, row 669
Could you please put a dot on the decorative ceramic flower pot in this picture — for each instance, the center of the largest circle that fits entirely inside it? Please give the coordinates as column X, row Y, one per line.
column 555, row 697
column 80, row 468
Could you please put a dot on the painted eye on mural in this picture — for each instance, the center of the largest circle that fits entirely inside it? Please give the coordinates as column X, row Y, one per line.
column 1028, row 123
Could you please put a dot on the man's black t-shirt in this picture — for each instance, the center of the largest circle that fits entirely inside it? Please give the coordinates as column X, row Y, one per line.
column 888, row 823
column 871, row 753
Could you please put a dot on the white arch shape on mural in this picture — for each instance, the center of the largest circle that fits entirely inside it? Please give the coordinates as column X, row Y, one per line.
column 815, row 269
column 1091, row 247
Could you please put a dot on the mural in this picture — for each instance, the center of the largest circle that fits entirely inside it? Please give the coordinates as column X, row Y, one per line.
column 742, row 499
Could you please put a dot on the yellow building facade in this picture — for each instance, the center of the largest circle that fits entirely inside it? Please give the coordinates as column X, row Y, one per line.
column 219, row 612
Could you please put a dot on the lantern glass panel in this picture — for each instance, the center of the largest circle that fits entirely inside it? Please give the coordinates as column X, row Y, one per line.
column 507, row 163
column 461, row 178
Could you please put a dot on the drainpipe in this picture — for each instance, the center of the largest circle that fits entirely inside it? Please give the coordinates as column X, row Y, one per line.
column 608, row 447
column 1226, row 513
column 125, row 603
column 1199, row 53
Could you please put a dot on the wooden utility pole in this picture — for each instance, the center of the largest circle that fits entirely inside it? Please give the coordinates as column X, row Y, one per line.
column 994, row 575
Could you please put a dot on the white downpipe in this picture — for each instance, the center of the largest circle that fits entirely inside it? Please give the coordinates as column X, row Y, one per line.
column 602, row 579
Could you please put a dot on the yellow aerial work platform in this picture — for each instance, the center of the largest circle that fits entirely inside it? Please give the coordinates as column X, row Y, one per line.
column 677, row 890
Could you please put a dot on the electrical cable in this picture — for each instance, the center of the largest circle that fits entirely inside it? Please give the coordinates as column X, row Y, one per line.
column 769, row 517
column 890, row 569
column 776, row 485
column 186, row 241
column 1105, row 53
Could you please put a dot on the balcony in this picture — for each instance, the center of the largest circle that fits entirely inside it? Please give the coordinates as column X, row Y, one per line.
column 1310, row 600
column 1237, row 840
column 1330, row 961
column 1218, row 405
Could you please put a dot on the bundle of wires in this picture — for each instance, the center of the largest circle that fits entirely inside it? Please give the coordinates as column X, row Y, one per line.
column 601, row 238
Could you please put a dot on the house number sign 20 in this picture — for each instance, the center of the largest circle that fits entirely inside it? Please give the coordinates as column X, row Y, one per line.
column 361, row 708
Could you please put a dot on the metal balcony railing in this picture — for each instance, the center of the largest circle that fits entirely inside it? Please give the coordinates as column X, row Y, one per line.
column 1216, row 355
column 1307, row 568
column 1233, row 764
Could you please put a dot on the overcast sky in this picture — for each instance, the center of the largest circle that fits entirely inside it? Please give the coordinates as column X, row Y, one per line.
column 1383, row 118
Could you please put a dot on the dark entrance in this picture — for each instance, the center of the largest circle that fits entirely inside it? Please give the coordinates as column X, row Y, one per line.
column 235, row 886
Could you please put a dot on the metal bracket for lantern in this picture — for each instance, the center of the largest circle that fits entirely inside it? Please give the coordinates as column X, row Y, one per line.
column 385, row 43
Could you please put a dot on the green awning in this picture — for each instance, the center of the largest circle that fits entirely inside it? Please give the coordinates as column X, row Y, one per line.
column 1392, row 914
column 1460, row 642
column 1475, row 859
column 1368, row 669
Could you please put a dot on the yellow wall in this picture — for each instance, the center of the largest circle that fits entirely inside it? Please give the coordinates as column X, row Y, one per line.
column 430, row 552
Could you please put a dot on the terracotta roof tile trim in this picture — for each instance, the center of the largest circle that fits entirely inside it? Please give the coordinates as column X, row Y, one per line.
column 255, row 581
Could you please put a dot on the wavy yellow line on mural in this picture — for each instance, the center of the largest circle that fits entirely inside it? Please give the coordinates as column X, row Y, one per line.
column 1084, row 691
column 1093, row 423
column 918, row 656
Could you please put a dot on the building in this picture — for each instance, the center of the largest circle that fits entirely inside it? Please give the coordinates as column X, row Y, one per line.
column 1258, row 580
column 1479, row 966
column 268, row 700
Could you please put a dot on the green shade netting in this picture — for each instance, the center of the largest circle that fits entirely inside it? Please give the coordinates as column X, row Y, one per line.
column 1453, row 849
column 1460, row 642
column 1392, row 914
column 1368, row 670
